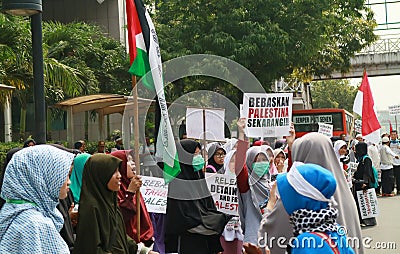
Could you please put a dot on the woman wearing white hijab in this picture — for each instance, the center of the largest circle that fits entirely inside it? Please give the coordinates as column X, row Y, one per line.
column 340, row 148
column 314, row 148
column 232, row 237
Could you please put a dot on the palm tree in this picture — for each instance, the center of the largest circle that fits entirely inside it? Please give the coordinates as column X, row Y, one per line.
column 79, row 59
column 16, row 67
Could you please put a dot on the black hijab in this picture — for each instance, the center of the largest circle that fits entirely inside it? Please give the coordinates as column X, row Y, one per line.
column 211, row 151
column 189, row 202
column 29, row 140
column 364, row 168
column 100, row 225
column 361, row 150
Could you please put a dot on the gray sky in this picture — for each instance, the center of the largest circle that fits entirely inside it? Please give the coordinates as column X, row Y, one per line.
column 385, row 90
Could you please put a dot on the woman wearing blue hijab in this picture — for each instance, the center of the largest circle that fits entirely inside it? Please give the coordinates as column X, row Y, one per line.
column 35, row 179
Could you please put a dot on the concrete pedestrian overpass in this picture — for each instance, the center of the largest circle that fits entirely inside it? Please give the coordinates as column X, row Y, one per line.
column 383, row 57
column 380, row 59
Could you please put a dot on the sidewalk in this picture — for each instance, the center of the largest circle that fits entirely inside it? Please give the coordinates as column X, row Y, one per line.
column 384, row 238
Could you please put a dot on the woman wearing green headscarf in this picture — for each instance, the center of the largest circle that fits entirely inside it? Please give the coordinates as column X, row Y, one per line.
column 76, row 175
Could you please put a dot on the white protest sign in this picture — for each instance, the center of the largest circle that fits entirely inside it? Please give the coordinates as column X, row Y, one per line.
column 394, row 110
column 368, row 203
column 154, row 192
column 267, row 115
column 326, row 129
column 215, row 120
column 223, row 189
column 357, row 126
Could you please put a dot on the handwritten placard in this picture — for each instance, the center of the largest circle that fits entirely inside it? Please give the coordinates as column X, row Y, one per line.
column 223, row 189
column 368, row 203
column 394, row 110
column 154, row 192
column 326, row 129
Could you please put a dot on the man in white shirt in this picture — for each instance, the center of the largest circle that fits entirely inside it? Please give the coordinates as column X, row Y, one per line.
column 387, row 167
column 395, row 146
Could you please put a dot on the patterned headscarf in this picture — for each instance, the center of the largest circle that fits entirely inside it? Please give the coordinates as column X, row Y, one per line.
column 31, row 188
column 316, row 148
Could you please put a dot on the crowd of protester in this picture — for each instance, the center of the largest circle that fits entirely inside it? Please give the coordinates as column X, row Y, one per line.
column 60, row 200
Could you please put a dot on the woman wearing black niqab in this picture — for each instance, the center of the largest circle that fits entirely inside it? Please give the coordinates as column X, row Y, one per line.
column 193, row 224
column 364, row 177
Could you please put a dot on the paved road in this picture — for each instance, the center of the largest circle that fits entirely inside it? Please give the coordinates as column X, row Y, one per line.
column 387, row 232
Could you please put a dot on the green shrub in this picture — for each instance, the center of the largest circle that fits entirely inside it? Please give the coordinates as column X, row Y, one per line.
column 91, row 147
column 4, row 148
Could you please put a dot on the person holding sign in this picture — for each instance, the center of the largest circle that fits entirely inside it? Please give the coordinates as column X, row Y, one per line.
column 253, row 184
column 100, row 226
column 232, row 237
column 364, row 178
column 130, row 184
column 193, row 224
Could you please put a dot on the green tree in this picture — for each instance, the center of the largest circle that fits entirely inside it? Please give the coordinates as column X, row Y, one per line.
column 16, row 66
column 333, row 94
column 79, row 59
column 271, row 38
column 102, row 60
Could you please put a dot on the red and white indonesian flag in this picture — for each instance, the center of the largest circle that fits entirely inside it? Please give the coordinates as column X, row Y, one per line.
column 364, row 106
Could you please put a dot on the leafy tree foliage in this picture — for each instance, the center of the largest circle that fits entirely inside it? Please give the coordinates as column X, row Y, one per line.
column 333, row 94
column 101, row 59
column 78, row 59
column 271, row 38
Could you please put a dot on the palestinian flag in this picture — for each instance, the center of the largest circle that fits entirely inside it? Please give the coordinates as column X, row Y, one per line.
column 145, row 58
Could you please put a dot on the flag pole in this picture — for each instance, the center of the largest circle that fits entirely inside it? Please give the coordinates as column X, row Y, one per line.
column 204, row 139
column 136, row 148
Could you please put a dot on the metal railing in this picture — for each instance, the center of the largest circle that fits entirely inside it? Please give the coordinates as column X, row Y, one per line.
column 387, row 45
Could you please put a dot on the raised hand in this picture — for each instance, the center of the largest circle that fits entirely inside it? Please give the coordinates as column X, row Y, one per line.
column 135, row 184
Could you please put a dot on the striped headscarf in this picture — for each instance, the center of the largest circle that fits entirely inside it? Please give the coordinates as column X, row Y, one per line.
column 29, row 221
